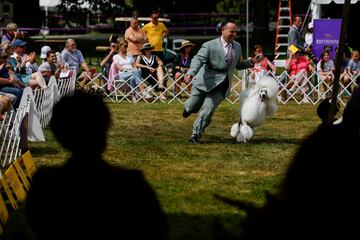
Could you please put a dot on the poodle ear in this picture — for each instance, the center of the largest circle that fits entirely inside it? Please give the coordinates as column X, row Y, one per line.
column 271, row 109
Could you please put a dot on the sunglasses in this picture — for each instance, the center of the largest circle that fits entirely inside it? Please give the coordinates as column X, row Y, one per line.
column 114, row 46
column 125, row 46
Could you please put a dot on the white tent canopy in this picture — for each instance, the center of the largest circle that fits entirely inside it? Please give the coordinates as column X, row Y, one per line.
column 336, row 1
column 48, row 3
column 316, row 6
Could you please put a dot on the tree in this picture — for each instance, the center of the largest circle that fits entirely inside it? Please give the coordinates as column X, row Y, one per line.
column 78, row 11
column 260, row 20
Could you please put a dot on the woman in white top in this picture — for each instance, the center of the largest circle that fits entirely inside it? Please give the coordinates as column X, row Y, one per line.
column 126, row 67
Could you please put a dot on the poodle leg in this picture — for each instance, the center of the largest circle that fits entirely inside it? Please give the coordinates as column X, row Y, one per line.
column 247, row 132
column 235, row 129
column 240, row 138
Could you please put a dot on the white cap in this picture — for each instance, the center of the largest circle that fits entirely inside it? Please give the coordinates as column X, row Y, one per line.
column 44, row 51
column 310, row 25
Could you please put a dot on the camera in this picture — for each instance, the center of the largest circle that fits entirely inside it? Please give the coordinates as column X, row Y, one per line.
column 21, row 34
column 310, row 54
column 313, row 59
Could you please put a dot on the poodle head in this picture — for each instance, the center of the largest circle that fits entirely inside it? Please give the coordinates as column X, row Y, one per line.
column 270, row 85
column 263, row 94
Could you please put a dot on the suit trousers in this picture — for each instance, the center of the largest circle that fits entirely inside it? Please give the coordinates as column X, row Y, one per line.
column 206, row 102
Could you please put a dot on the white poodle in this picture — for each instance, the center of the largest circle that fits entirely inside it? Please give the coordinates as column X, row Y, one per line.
column 256, row 104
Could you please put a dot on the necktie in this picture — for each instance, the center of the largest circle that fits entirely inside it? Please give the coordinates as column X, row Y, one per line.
column 229, row 55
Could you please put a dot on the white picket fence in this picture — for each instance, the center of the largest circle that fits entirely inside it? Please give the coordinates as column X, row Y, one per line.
column 32, row 116
column 10, row 134
column 290, row 89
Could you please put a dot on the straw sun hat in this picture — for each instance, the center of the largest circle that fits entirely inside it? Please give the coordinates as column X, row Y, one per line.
column 186, row 43
column 146, row 46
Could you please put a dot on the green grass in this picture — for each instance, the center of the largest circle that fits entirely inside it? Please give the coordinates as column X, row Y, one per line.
column 154, row 138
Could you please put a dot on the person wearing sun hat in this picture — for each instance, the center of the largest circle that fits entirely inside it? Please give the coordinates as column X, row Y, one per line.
column 182, row 63
column 299, row 68
column 146, row 46
column 151, row 68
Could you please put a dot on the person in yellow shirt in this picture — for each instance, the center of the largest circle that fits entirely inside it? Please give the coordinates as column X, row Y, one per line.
column 156, row 31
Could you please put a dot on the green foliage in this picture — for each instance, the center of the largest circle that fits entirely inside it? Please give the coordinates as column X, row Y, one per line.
column 78, row 11
column 229, row 6
column 153, row 138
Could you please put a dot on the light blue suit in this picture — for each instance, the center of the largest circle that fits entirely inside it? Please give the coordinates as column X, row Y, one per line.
column 294, row 38
column 211, row 75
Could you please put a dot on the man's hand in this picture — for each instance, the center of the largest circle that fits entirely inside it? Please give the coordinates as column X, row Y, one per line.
column 188, row 78
column 18, row 59
column 151, row 69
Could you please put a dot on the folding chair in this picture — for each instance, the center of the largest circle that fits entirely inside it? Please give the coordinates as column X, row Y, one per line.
column 5, row 187
column 27, row 163
column 4, row 213
column 14, row 183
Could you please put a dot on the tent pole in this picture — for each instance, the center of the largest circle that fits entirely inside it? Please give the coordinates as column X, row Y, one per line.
column 306, row 16
column 247, row 28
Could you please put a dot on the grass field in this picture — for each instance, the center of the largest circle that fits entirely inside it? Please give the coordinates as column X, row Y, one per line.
column 154, row 138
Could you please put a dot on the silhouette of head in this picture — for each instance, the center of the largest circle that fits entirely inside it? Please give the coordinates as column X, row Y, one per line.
column 323, row 110
column 80, row 123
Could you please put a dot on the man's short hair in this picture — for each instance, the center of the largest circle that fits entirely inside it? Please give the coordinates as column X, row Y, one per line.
column 296, row 16
column 68, row 41
column 226, row 22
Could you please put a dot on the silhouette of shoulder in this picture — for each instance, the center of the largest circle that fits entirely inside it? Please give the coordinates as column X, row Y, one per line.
column 105, row 199
column 317, row 196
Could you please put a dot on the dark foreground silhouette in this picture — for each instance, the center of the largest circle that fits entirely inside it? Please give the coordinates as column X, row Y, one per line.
column 86, row 197
column 318, row 197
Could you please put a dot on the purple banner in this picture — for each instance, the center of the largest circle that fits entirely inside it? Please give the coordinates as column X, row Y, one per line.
column 326, row 36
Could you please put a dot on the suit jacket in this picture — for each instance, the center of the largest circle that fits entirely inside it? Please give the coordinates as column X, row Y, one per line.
column 209, row 66
column 294, row 37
